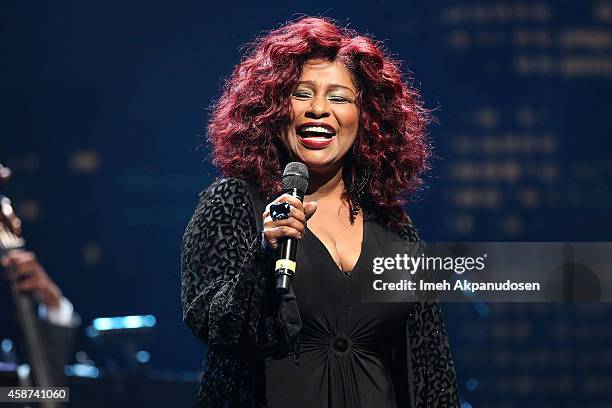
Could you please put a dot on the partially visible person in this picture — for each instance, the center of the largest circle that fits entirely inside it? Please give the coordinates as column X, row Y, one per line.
column 57, row 318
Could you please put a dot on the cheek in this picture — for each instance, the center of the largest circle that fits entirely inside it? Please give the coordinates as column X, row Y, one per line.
column 349, row 120
column 293, row 109
column 296, row 110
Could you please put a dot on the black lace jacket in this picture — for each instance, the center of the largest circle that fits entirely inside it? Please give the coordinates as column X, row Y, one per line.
column 225, row 293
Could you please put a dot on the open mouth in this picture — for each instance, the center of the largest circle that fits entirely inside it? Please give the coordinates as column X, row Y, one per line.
column 315, row 136
column 319, row 131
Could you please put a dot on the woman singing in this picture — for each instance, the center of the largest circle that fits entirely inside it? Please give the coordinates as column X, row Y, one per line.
column 327, row 97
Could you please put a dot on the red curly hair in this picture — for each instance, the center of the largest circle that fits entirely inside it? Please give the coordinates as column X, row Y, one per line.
column 248, row 121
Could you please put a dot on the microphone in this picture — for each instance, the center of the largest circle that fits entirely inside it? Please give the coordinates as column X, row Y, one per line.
column 295, row 182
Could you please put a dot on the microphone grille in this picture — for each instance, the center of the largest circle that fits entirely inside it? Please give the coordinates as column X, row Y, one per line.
column 295, row 176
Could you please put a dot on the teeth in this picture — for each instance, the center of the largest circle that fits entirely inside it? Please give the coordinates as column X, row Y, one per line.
column 318, row 129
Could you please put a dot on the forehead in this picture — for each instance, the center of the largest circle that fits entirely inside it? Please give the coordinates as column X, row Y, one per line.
column 322, row 73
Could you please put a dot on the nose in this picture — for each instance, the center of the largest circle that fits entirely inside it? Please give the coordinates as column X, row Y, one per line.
column 319, row 108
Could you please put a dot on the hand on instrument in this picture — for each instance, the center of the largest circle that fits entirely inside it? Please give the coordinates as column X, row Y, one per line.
column 28, row 275
column 8, row 219
column 286, row 217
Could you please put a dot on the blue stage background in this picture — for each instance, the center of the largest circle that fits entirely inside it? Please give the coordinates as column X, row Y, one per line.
column 104, row 106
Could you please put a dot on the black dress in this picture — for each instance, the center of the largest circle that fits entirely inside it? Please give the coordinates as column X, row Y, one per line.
column 226, row 288
column 346, row 343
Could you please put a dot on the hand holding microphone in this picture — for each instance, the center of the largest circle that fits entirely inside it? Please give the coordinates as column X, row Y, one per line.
column 293, row 226
column 284, row 222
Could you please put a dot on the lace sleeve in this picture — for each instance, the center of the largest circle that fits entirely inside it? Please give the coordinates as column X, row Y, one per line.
column 223, row 280
column 434, row 380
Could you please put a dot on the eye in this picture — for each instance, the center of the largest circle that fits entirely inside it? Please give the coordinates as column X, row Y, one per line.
column 302, row 94
column 338, row 99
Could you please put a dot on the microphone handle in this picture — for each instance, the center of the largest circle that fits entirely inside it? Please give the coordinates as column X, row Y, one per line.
column 286, row 263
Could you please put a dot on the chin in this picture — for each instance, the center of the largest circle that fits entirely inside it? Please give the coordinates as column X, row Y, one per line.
column 318, row 165
column 315, row 158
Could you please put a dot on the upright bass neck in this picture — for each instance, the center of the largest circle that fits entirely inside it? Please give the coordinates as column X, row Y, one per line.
column 25, row 309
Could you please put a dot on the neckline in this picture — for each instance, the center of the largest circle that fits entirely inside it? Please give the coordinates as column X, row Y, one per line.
column 331, row 258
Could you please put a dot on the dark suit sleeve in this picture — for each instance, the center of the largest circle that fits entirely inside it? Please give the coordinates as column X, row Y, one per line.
column 59, row 343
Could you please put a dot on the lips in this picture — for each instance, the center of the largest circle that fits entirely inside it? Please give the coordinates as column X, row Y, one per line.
column 315, row 135
column 315, row 142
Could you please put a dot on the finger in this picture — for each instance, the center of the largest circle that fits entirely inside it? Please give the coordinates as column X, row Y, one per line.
column 294, row 212
column 283, row 231
column 17, row 257
column 26, row 285
column 22, row 271
column 14, row 224
column 21, row 265
column 272, row 237
column 273, row 242
column 16, row 275
column 310, row 208
column 298, row 215
column 10, row 255
column 288, row 222
column 288, row 198
column 288, row 232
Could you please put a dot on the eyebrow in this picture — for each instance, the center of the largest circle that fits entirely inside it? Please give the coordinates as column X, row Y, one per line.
column 330, row 86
